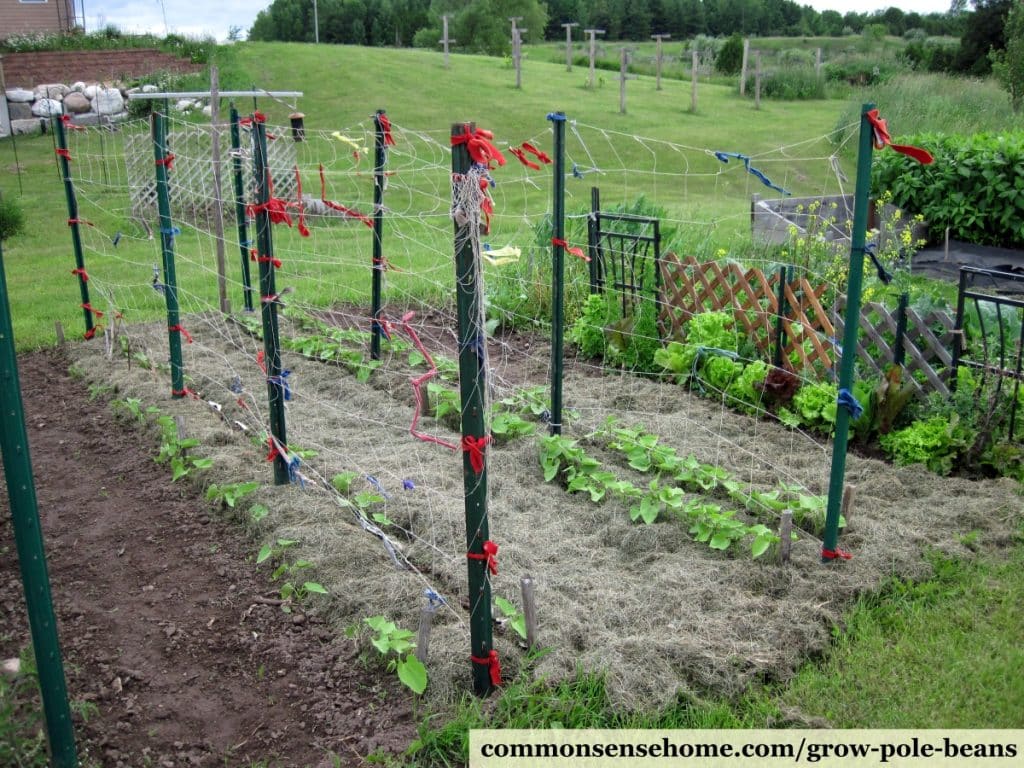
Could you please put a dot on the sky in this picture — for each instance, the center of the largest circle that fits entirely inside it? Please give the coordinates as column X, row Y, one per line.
column 189, row 17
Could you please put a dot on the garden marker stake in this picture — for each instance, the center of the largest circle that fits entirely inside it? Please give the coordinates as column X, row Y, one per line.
column 244, row 244
column 21, row 491
column 472, row 385
column 163, row 160
column 268, row 309
column 830, row 550
column 382, row 137
column 558, row 269
column 64, row 159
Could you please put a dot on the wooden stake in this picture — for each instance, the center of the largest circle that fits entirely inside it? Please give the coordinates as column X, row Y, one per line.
column 849, row 493
column 179, row 423
column 218, row 198
column 743, row 69
column 757, row 80
column 785, row 535
column 427, row 614
column 659, row 58
column 694, row 63
column 60, row 333
column 108, row 343
column 529, row 611
column 568, row 44
column 446, row 41
column 593, row 53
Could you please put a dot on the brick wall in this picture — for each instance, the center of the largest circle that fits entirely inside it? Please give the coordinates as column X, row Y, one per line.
column 47, row 16
column 26, row 70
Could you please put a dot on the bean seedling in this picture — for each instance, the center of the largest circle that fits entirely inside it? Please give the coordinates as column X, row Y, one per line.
column 390, row 640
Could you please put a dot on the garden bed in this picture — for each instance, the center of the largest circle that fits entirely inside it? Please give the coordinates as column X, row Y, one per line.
column 660, row 612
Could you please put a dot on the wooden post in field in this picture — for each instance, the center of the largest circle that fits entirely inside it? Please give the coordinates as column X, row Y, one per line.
column 218, row 200
column 846, row 509
column 757, row 80
column 623, row 76
column 658, row 59
column 785, row 535
column 817, row 63
column 568, row 44
column 743, row 69
column 446, row 40
column 529, row 612
column 694, row 64
column 517, row 49
column 593, row 52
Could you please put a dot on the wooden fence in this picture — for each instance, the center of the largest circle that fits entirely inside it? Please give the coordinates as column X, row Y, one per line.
column 811, row 320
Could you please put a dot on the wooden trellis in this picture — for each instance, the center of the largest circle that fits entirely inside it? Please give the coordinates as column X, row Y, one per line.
column 811, row 327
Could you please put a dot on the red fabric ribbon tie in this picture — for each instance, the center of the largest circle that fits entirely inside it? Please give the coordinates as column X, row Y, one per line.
column 882, row 139
column 91, row 332
column 542, row 156
column 275, row 451
column 835, row 554
column 181, row 329
column 493, row 664
column 166, row 161
column 475, row 446
column 66, row 119
column 186, row 392
column 275, row 207
column 81, row 273
column 260, row 363
column 89, row 308
column 65, row 153
column 489, row 555
column 478, row 144
column 72, row 222
column 303, row 229
column 338, row 206
column 264, row 259
column 521, row 156
column 575, row 250
column 385, row 126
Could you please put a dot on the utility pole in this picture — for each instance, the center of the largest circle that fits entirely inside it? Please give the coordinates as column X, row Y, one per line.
column 446, row 40
column 593, row 52
column 568, row 44
column 658, row 58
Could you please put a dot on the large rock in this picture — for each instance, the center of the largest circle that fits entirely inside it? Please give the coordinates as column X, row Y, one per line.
column 108, row 101
column 91, row 91
column 20, row 110
column 54, row 91
column 46, row 108
column 24, row 127
column 149, row 88
column 75, row 103
column 184, row 105
column 20, row 95
column 79, row 86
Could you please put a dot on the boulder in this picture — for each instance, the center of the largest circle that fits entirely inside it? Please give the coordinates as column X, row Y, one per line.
column 46, row 108
column 78, row 87
column 91, row 91
column 149, row 88
column 108, row 101
column 24, row 127
column 184, row 105
column 208, row 110
column 75, row 103
column 20, row 95
column 20, row 110
column 54, row 91
column 89, row 118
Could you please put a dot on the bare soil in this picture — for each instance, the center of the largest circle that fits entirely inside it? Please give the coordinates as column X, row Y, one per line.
column 165, row 624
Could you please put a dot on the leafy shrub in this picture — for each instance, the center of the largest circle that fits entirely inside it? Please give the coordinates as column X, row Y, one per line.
column 934, row 442
column 730, row 57
column 12, row 218
column 975, row 186
column 788, row 84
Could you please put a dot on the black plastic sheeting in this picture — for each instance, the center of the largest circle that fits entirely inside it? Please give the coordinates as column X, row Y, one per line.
column 939, row 264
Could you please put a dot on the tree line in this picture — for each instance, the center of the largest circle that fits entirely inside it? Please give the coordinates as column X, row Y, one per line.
column 482, row 26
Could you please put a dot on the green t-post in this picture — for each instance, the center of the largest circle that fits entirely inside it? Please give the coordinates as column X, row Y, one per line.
column 557, row 270
column 268, row 299
column 243, row 227
column 472, row 386
column 76, row 233
column 21, row 491
column 380, row 157
column 163, row 202
column 861, row 203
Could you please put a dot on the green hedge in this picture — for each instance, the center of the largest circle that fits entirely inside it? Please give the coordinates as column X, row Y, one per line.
column 975, row 186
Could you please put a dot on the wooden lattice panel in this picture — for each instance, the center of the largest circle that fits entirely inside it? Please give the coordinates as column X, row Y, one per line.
column 191, row 182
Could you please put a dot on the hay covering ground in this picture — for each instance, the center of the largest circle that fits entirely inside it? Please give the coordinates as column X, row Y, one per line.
column 657, row 611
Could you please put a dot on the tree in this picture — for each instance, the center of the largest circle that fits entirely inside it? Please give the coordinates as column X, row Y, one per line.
column 1008, row 64
column 730, row 58
column 984, row 30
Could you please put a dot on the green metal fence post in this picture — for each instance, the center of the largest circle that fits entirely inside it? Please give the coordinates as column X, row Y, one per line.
column 64, row 158
column 380, row 158
column 21, row 491
column 861, row 205
column 472, row 386
column 269, row 300
column 163, row 160
column 557, row 270
column 244, row 245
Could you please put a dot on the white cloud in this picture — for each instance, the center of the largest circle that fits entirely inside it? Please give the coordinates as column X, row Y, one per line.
column 183, row 17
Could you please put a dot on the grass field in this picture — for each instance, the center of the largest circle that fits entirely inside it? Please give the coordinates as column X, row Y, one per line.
column 940, row 653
